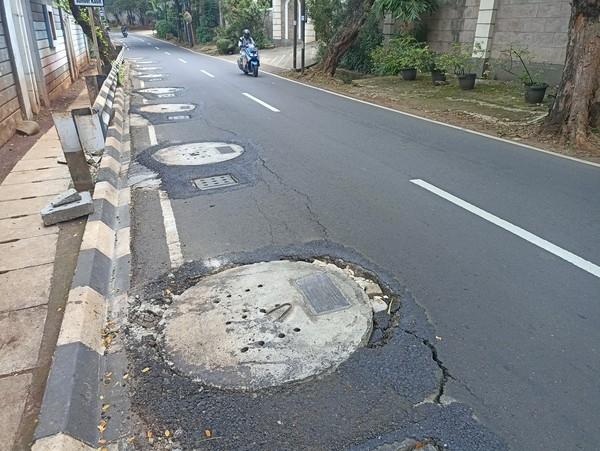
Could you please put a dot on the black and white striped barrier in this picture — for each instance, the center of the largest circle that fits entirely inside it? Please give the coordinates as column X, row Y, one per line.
column 103, row 106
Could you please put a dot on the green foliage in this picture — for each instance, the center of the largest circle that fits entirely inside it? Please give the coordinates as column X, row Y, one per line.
column 326, row 17
column 401, row 53
column 224, row 46
column 406, row 10
column 241, row 14
column 458, row 60
column 358, row 57
column 164, row 27
column 205, row 19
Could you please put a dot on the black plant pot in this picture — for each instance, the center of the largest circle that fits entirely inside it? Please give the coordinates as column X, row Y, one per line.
column 535, row 93
column 408, row 74
column 466, row 81
column 437, row 75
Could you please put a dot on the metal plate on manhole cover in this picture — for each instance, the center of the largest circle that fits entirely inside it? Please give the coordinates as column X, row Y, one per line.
column 167, row 108
column 149, row 76
column 179, row 118
column 162, row 96
column 156, row 79
column 321, row 293
column 216, row 181
column 156, row 91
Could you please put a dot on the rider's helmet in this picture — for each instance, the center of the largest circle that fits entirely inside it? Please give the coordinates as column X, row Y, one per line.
column 246, row 33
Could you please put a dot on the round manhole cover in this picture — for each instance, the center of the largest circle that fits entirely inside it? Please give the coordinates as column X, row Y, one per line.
column 167, row 108
column 266, row 324
column 197, row 154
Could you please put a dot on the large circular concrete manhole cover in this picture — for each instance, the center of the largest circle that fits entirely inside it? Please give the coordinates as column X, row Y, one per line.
column 167, row 108
column 266, row 324
column 156, row 91
column 197, row 154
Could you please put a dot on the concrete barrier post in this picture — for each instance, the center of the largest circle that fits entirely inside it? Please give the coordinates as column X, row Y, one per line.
column 89, row 130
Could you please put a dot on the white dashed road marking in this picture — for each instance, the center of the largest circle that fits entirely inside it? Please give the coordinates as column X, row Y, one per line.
column 208, row 74
column 260, row 102
column 182, row 60
column 521, row 233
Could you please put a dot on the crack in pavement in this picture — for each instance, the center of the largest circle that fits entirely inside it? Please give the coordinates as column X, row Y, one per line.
column 307, row 202
column 264, row 215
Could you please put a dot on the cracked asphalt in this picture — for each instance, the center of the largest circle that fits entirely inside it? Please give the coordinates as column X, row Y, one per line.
column 493, row 344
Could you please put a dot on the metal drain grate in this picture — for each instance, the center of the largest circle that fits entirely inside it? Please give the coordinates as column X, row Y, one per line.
column 321, row 293
column 178, row 118
column 225, row 150
column 216, row 181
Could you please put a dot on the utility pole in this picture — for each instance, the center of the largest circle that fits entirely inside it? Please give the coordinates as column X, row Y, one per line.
column 303, row 33
column 90, row 11
column 295, row 33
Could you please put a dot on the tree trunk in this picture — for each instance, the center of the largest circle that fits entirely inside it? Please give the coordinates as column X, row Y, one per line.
column 357, row 13
column 577, row 105
column 105, row 47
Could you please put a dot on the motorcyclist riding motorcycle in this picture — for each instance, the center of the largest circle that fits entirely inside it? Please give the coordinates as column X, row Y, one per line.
column 245, row 41
column 124, row 30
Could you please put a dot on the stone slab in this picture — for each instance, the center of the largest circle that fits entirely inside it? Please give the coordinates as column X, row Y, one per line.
column 13, row 392
column 28, row 252
column 53, row 215
column 39, row 163
column 36, row 175
column 31, row 284
column 48, row 149
column 20, row 207
column 25, row 190
column 20, row 338
column 66, row 198
column 25, row 227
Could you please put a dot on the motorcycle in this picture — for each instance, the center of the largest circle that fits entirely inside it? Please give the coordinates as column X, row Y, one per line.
column 248, row 61
column 124, row 33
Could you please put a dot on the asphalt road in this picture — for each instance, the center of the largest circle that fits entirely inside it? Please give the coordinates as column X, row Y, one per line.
column 507, row 269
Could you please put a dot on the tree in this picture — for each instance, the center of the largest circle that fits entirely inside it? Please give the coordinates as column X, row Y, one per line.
column 352, row 15
column 577, row 106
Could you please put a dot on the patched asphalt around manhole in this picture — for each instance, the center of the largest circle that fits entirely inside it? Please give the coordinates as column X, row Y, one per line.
column 266, row 324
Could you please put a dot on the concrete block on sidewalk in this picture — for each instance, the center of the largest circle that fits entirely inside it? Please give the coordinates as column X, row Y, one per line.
column 67, row 197
column 53, row 215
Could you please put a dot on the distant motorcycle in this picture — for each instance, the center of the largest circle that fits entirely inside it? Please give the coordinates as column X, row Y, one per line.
column 124, row 33
column 248, row 61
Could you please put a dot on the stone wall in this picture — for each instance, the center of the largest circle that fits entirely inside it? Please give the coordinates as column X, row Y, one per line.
column 454, row 21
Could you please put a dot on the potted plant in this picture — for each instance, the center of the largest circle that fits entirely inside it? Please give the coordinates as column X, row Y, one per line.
column 438, row 73
column 459, row 62
column 535, row 87
column 404, row 56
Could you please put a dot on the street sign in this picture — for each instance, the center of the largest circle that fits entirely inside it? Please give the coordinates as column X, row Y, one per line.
column 94, row 3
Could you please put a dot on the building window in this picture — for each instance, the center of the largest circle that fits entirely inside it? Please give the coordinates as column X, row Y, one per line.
column 50, row 25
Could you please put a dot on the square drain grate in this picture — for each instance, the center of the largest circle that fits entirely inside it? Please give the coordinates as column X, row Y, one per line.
column 216, row 181
column 321, row 293
column 225, row 150
column 179, row 117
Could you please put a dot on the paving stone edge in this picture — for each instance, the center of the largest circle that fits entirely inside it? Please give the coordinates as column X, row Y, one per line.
column 70, row 411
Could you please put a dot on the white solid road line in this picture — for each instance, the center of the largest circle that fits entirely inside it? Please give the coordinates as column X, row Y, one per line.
column 152, row 135
column 171, row 233
column 266, row 105
column 208, row 74
column 157, row 48
column 182, row 60
column 521, row 233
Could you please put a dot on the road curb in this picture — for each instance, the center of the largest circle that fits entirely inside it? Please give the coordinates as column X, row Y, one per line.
column 70, row 410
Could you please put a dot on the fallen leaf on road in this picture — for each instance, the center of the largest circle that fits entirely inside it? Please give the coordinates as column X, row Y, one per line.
column 105, row 407
column 130, row 439
column 102, row 425
column 149, row 434
column 125, row 376
column 145, row 370
column 102, row 442
column 167, row 433
column 208, row 433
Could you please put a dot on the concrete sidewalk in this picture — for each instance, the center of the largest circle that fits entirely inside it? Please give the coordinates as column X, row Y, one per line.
column 36, row 267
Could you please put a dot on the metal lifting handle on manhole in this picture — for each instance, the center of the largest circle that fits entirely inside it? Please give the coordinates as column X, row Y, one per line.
column 279, row 307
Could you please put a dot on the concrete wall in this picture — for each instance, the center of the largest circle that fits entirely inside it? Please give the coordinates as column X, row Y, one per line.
column 79, row 40
column 454, row 21
column 10, row 110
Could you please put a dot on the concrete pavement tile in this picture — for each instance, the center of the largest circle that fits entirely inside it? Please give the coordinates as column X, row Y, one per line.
column 28, row 252
column 49, row 149
column 22, row 190
column 29, row 165
column 13, row 392
column 36, row 175
column 63, row 442
column 31, row 284
column 19, row 207
column 25, row 227
column 20, row 338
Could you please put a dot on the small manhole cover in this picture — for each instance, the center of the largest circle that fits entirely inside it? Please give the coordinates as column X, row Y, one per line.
column 250, row 327
column 149, row 76
column 157, row 91
column 162, row 96
column 167, row 108
column 155, row 79
column 197, row 154
column 180, row 117
column 216, row 181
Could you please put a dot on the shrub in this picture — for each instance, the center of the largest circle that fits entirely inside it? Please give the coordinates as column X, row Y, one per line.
column 241, row 14
column 358, row 57
column 204, row 32
column 401, row 53
column 458, row 61
column 164, row 27
column 224, row 46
